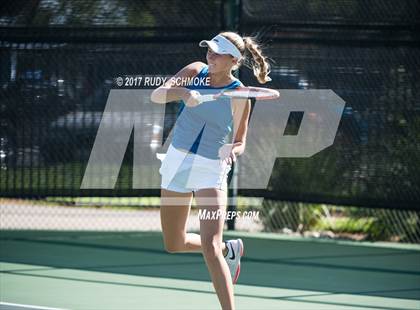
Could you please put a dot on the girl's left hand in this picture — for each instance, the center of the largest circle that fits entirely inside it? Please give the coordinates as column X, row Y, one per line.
column 227, row 154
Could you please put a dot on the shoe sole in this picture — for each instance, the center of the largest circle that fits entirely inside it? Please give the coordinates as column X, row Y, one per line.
column 238, row 270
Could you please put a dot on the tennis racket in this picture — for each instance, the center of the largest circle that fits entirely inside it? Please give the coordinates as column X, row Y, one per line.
column 259, row 93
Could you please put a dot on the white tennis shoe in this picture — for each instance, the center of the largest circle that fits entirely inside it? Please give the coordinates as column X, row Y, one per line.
column 233, row 257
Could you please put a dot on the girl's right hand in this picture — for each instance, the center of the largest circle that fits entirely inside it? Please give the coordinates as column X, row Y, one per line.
column 191, row 98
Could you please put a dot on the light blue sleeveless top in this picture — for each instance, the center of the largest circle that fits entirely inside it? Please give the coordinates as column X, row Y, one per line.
column 203, row 129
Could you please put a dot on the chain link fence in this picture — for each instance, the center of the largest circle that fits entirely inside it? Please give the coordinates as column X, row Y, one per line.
column 263, row 215
column 338, row 222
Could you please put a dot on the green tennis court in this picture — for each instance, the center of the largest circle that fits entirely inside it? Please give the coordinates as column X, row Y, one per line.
column 104, row 270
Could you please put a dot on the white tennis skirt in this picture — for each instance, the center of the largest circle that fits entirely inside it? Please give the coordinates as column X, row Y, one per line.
column 187, row 172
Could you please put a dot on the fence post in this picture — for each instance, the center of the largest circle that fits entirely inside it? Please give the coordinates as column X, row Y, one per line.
column 232, row 13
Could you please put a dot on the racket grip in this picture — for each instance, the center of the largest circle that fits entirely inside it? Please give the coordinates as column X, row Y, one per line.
column 205, row 98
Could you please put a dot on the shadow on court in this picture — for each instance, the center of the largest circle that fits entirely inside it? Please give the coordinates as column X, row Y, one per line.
column 327, row 267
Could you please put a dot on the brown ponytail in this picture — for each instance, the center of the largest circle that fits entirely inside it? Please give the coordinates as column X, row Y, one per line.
column 258, row 62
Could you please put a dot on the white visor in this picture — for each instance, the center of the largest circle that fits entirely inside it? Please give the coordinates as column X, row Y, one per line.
column 220, row 45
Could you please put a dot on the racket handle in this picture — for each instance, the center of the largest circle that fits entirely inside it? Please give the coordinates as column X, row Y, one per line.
column 205, row 98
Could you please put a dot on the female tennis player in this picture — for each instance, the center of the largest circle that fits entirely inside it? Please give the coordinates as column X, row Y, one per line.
column 199, row 158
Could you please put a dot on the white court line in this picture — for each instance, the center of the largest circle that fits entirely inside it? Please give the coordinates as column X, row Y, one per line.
column 28, row 306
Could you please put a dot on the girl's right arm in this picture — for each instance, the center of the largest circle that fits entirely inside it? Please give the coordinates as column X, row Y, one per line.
column 167, row 92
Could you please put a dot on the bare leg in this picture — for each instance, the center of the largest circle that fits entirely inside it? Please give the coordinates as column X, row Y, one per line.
column 174, row 218
column 211, row 232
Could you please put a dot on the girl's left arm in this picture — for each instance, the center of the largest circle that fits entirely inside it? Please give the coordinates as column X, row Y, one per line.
column 241, row 112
